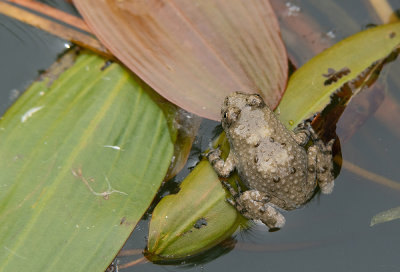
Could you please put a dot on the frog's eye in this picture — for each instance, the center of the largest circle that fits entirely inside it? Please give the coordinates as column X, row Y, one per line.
column 255, row 100
column 231, row 115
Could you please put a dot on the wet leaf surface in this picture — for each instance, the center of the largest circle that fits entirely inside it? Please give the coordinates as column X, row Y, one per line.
column 194, row 53
column 81, row 158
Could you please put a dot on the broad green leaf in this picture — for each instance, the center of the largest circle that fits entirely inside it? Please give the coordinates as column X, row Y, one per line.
column 309, row 89
column 195, row 52
column 386, row 216
column 178, row 233
column 305, row 96
column 81, row 159
column 204, row 220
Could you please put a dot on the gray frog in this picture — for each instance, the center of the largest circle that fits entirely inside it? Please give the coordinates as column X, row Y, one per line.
column 271, row 161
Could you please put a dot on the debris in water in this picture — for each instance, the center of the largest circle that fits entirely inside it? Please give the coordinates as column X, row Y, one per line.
column 385, row 216
column 293, row 10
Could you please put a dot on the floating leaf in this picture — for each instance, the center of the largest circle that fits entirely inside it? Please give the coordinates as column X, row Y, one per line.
column 205, row 220
column 178, row 233
column 310, row 87
column 385, row 216
column 196, row 52
column 81, row 159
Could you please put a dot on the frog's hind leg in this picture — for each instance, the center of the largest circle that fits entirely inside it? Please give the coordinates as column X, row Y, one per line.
column 255, row 205
column 320, row 165
column 325, row 168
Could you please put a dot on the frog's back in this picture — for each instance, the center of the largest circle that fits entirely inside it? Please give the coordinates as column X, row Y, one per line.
column 269, row 159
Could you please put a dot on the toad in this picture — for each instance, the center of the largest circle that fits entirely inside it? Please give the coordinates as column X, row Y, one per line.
column 279, row 168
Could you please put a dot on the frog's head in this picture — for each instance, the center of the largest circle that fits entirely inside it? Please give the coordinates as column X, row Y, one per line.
column 235, row 103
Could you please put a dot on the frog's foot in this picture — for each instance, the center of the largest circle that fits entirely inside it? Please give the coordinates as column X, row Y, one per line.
column 320, row 165
column 223, row 168
column 255, row 205
column 301, row 133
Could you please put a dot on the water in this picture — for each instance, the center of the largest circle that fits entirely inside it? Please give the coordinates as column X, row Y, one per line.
column 24, row 52
column 332, row 232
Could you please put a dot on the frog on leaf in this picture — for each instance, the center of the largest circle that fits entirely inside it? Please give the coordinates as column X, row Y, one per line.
column 272, row 161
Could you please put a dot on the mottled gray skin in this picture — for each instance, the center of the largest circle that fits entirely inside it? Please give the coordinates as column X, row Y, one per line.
column 271, row 161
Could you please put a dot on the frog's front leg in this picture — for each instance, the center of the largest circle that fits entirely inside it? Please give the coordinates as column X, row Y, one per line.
column 223, row 168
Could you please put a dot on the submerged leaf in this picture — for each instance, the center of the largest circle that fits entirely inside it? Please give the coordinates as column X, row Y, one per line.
column 386, row 216
column 196, row 52
column 81, row 159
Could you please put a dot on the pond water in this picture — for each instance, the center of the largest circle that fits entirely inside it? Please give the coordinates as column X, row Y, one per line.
column 332, row 232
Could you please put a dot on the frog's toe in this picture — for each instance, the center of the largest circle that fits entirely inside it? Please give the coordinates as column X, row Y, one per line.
column 231, row 201
column 213, row 155
column 326, row 187
column 272, row 218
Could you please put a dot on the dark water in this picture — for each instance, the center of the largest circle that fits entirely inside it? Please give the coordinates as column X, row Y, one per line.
column 24, row 52
column 331, row 233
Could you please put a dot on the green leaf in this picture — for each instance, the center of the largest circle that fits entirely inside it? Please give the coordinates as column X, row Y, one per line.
column 386, row 216
column 204, row 220
column 305, row 96
column 206, row 217
column 80, row 162
column 308, row 91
